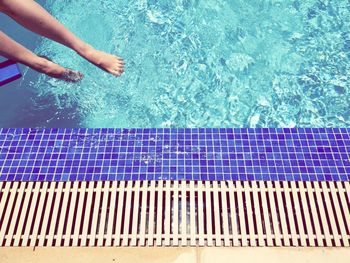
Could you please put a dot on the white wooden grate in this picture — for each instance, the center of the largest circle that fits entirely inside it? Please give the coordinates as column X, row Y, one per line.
column 174, row 213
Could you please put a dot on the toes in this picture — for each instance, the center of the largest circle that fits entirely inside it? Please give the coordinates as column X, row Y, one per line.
column 120, row 60
column 113, row 64
column 120, row 67
column 120, row 64
column 116, row 73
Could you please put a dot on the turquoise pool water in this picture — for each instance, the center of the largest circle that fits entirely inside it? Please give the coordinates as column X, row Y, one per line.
column 193, row 63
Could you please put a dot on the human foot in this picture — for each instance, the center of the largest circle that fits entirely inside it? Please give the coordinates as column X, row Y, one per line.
column 46, row 66
column 107, row 62
column 72, row 76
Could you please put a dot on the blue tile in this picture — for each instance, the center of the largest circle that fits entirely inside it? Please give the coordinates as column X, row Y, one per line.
column 185, row 154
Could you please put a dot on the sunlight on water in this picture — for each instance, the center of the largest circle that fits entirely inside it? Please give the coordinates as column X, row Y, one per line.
column 193, row 63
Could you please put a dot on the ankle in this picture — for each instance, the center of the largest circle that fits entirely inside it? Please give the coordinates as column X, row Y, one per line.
column 85, row 50
column 47, row 67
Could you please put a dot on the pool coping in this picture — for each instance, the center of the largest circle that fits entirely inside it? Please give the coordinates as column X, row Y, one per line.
column 183, row 255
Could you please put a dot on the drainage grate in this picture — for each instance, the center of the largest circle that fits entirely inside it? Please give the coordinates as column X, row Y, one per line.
column 174, row 213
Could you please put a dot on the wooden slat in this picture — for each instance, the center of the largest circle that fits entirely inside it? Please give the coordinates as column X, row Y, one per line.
column 267, row 220
column 347, row 193
column 15, row 214
column 176, row 215
column 121, row 194
column 234, row 215
column 31, row 211
column 40, row 212
column 343, row 196
column 216, row 211
column 258, row 216
column 338, row 213
column 144, row 190
column 151, row 215
column 167, row 216
column 241, row 206
column 22, row 216
column 80, row 218
column 347, row 187
column 2, row 193
column 192, row 215
column 95, row 213
column 55, row 215
column 112, row 214
column 87, row 214
column 301, row 230
column 310, row 194
column 45, row 223
column 64, row 214
column 135, row 216
column 275, row 222
column 183, row 215
column 290, row 213
column 2, row 185
column 250, row 211
column 201, row 233
column 322, row 211
column 71, row 210
column 126, row 214
column 225, row 215
column 208, row 214
column 347, row 198
column 330, row 214
column 8, row 210
column 159, row 218
column 282, row 214
column 306, row 214
column 103, row 215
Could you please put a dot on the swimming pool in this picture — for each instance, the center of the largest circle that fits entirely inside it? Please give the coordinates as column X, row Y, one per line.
column 194, row 63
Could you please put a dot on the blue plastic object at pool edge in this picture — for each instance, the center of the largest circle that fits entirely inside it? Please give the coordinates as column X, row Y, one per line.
column 9, row 71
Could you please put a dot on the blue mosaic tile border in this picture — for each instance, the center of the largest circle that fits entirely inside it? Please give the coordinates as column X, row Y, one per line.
column 304, row 154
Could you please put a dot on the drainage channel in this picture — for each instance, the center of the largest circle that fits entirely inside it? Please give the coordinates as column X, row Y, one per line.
column 174, row 213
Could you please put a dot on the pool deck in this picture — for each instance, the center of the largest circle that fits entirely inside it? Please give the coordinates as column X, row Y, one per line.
column 183, row 255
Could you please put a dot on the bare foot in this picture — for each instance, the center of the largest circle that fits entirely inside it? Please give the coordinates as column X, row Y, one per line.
column 107, row 62
column 51, row 69
column 72, row 76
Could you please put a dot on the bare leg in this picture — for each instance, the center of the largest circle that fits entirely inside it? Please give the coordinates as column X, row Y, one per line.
column 32, row 16
column 14, row 51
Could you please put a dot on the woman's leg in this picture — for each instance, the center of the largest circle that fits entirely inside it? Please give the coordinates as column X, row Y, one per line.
column 32, row 16
column 14, row 51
